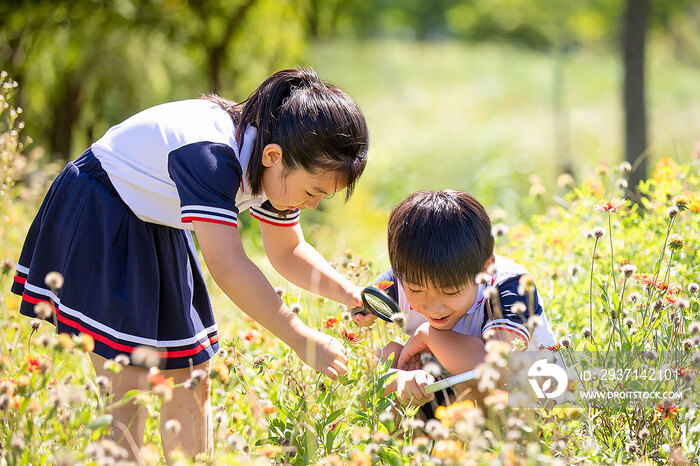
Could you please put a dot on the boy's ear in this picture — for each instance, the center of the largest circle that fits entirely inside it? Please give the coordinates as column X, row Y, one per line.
column 491, row 261
column 271, row 155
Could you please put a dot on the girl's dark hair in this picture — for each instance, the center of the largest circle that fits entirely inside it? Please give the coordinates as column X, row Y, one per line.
column 439, row 238
column 317, row 125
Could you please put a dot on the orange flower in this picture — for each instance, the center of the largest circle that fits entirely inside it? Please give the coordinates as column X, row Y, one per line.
column 331, row 322
column 155, row 378
column 384, row 284
column 669, row 410
column 269, row 450
column 251, row 336
column 33, row 364
column 352, row 337
column 556, row 347
column 613, row 206
column 594, row 184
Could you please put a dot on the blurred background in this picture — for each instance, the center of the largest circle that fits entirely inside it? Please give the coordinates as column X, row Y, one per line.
column 495, row 97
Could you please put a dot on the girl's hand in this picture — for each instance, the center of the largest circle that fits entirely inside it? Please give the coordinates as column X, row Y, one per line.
column 410, row 387
column 323, row 353
column 417, row 344
column 354, row 297
column 363, row 320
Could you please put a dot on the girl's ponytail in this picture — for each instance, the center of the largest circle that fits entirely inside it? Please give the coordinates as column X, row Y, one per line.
column 317, row 125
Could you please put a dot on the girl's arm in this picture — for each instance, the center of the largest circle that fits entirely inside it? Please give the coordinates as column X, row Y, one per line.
column 246, row 285
column 301, row 264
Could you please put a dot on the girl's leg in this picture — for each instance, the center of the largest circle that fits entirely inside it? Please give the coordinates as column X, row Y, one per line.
column 129, row 420
column 192, row 409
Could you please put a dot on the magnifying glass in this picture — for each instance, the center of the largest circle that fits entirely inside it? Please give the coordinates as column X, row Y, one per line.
column 376, row 302
column 450, row 381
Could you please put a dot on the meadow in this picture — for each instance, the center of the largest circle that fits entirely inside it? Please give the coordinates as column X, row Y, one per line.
column 619, row 280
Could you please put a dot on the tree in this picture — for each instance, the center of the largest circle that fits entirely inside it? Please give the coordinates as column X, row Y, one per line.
column 636, row 23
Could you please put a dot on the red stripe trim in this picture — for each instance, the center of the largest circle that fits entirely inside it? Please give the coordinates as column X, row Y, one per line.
column 210, row 220
column 273, row 223
column 509, row 330
column 118, row 346
column 21, row 280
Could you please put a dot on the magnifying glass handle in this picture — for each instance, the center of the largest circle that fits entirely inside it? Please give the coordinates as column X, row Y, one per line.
column 360, row 310
column 450, row 381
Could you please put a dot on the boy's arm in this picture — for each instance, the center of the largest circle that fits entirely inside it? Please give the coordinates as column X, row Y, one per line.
column 301, row 264
column 455, row 351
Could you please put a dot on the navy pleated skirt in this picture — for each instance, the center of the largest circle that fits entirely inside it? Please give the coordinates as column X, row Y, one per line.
column 127, row 283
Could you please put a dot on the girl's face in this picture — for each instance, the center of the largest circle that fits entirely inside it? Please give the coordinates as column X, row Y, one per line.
column 297, row 189
column 442, row 308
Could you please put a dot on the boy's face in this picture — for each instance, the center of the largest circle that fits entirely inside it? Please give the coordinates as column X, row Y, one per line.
column 442, row 308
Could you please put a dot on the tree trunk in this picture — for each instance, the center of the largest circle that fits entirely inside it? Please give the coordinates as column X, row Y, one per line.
column 636, row 21
column 66, row 112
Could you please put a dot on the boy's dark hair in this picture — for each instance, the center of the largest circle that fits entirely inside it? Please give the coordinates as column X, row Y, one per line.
column 317, row 125
column 439, row 238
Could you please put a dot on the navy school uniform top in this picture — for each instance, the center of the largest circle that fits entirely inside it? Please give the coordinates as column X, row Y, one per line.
column 477, row 319
column 180, row 161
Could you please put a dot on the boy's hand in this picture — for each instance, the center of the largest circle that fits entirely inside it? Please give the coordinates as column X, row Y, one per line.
column 323, row 353
column 417, row 344
column 410, row 387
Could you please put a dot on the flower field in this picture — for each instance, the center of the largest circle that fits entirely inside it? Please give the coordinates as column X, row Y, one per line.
column 620, row 282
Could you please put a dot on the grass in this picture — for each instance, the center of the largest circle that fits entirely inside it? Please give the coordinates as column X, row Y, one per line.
column 442, row 115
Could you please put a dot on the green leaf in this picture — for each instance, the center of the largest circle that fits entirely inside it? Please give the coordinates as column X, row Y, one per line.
column 657, row 265
column 101, row 422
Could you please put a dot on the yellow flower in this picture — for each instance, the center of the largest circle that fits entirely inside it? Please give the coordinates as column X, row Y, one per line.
column 64, row 341
column 681, row 201
column 314, row 408
column 448, row 415
column 358, row 434
column 361, row 459
column 665, row 171
column 519, row 231
column 447, row 449
column 87, row 343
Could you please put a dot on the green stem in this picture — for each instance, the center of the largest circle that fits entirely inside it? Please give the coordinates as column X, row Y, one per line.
column 612, row 253
column 590, row 291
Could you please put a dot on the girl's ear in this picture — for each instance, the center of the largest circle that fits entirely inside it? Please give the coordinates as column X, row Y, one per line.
column 271, row 155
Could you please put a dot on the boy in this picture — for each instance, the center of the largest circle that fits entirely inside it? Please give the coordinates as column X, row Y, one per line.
column 455, row 292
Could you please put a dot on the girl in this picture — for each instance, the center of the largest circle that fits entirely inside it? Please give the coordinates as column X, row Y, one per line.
column 116, row 224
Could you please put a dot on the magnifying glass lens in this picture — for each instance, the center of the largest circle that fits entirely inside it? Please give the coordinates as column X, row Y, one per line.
column 379, row 307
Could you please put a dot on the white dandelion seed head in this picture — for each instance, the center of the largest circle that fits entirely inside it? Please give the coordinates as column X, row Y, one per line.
column 43, row 310
column 295, row 308
column 672, row 211
column 628, row 270
column 433, row 369
column 145, row 356
column 681, row 303
column 54, row 280
column 482, row 278
column 499, row 229
column 519, row 307
column 122, row 359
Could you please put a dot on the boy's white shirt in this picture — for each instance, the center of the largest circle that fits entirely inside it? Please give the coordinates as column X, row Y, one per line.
column 471, row 323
